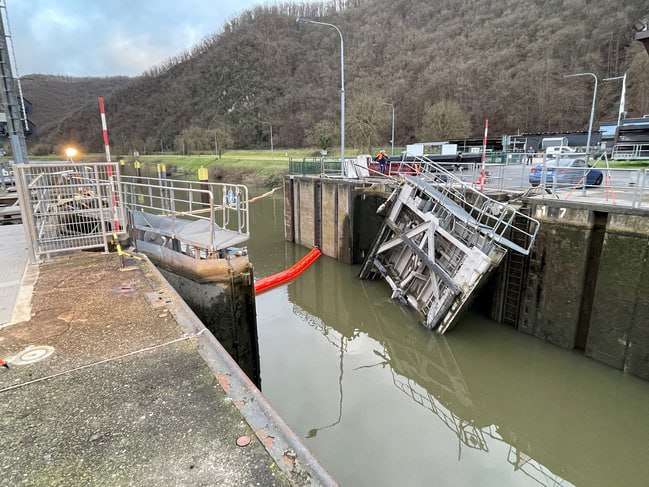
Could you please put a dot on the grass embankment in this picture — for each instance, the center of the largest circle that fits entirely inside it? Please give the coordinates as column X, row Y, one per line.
column 254, row 168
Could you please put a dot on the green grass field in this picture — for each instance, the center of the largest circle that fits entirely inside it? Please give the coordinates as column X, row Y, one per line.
column 253, row 167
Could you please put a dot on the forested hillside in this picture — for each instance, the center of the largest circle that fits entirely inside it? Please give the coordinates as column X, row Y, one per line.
column 459, row 61
column 55, row 97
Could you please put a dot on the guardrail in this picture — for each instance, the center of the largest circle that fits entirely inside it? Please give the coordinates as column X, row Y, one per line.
column 479, row 212
column 316, row 166
column 598, row 183
column 68, row 206
column 223, row 206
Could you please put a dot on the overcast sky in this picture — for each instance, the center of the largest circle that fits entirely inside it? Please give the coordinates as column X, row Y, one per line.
column 111, row 37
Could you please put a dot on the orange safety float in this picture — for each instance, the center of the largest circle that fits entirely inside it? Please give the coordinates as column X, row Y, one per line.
column 291, row 273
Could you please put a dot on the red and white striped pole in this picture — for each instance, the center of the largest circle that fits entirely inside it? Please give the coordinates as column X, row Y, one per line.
column 483, row 171
column 104, row 128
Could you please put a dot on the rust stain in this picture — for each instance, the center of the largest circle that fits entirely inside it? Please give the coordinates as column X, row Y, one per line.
column 239, row 403
column 224, row 381
column 266, row 439
column 289, row 460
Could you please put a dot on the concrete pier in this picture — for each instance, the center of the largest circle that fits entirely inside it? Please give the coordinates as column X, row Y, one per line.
column 135, row 390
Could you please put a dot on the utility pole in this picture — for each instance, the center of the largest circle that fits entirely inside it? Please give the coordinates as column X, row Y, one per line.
column 8, row 100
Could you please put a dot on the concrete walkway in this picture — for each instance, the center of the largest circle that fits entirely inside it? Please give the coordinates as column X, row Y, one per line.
column 13, row 259
column 135, row 391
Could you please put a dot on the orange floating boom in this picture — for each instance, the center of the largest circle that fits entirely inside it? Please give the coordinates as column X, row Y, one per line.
column 291, row 273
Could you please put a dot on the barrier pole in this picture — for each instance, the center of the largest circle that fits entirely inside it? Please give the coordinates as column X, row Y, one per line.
column 113, row 199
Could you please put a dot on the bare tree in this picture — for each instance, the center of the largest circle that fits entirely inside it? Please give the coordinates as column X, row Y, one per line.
column 444, row 120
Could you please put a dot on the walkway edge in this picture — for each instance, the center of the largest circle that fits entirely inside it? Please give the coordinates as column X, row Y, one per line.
column 283, row 445
column 23, row 305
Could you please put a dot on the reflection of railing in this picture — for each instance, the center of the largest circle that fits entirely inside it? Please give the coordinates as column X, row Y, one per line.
column 467, row 433
column 534, row 469
column 221, row 207
column 475, row 437
column 69, row 206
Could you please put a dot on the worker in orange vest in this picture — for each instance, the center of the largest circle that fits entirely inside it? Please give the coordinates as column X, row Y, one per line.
column 382, row 159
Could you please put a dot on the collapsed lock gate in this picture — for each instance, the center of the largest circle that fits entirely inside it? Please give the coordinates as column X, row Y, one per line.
column 439, row 242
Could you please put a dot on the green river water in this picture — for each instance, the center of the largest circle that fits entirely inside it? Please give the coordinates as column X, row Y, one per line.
column 381, row 401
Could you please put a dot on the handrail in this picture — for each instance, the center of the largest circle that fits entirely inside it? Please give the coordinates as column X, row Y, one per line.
column 496, row 220
column 224, row 205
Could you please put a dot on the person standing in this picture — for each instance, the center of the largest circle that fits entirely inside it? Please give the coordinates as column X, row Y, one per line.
column 382, row 159
column 530, row 155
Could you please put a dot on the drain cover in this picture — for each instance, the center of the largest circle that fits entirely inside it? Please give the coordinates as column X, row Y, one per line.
column 32, row 354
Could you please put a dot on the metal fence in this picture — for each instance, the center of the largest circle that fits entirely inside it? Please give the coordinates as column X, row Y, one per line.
column 560, row 178
column 315, row 166
column 69, row 206
column 222, row 207
column 534, row 174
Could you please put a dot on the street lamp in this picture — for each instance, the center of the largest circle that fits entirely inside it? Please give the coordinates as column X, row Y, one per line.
column 592, row 108
column 271, row 138
column 621, row 111
column 70, row 152
column 391, row 141
column 342, row 83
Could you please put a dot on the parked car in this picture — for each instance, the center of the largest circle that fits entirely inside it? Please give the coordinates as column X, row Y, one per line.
column 559, row 150
column 566, row 172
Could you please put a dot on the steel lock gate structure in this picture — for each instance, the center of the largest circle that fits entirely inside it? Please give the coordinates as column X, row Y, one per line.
column 440, row 241
column 69, row 206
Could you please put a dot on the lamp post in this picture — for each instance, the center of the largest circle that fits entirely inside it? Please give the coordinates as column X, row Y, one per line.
column 592, row 108
column 342, row 83
column 623, row 78
column 391, row 141
column 271, row 139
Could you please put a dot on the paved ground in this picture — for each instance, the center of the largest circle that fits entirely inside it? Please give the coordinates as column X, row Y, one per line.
column 13, row 258
column 127, row 396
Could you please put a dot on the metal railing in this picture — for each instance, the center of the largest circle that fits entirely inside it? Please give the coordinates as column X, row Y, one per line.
column 316, row 166
column 630, row 151
column 69, row 206
column 495, row 220
column 223, row 207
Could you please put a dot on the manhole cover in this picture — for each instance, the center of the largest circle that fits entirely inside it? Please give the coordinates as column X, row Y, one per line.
column 32, row 354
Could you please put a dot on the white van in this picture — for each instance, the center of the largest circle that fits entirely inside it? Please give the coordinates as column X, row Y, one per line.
column 557, row 150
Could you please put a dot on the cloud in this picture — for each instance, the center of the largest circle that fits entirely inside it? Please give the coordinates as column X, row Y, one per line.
column 116, row 37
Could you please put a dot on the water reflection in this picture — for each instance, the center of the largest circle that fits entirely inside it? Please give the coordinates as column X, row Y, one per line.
column 516, row 411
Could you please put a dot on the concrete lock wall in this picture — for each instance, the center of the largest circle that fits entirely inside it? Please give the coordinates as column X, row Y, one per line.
column 556, row 274
column 227, row 309
column 588, row 284
column 619, row 326
column 319, row 212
